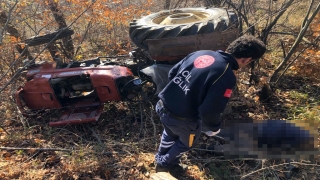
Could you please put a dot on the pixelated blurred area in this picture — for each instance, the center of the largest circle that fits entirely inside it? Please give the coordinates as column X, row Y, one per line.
column 296, row 101
column 269, row 139
column 256, row 149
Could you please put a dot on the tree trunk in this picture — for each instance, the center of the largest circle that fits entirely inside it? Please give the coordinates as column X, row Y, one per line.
column 54, row 53
column 275, row 76
column 208, row 3
column 167, row 4
column 15, row 33
column 266, row 31
column 60, row 19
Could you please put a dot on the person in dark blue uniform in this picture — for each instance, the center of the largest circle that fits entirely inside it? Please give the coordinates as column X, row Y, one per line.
column 198, row 91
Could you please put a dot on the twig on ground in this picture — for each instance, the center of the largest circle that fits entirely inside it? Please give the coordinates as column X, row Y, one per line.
column 35, row 154
column 134, row 115
column 64, row 129
column 24, row 122
column 37, row 149
column 141, row 117
column 95, row 135
column 214, row 159
column 277, row 166
column 110, row 153
column 259, row 164
column 271, row 171
column 207, row 150
column 153, row 124
column 4, row 129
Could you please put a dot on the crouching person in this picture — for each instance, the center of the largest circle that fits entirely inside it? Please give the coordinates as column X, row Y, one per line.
column 199, row 89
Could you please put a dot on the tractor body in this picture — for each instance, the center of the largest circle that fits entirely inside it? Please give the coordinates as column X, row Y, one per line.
column 80, row 89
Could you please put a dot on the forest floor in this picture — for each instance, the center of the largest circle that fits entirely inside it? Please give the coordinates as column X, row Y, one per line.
column 122, row 144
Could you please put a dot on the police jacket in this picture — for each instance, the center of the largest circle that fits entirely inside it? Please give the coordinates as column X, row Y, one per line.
column 200, row 86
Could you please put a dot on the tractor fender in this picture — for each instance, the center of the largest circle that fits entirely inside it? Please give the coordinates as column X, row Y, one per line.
column 159, row 74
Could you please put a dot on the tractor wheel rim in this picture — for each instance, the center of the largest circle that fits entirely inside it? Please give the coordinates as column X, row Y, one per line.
column 180, row 18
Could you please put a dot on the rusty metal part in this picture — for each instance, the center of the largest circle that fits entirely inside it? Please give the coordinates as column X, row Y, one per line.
column 180, row 18
column 79, row 90
column 84, row 113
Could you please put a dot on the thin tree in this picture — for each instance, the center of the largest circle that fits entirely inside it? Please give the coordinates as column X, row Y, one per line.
column 267, row 29
column 167, row 4
column 283, row 66
column 208, row 3
column 60, row 19
column 13, row 31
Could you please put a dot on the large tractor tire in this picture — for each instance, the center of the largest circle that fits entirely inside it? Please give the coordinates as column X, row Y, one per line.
column 180, row 22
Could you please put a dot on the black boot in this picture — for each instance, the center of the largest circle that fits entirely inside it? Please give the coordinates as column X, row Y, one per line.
column 160, row 168
column 175, row 169
column 178, row 169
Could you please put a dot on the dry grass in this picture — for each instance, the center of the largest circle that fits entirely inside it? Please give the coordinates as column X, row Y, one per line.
column 122, row 146
column 117, row 147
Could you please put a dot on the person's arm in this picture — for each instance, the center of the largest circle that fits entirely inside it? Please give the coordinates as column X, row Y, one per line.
column 211, row 123
column 215, row 102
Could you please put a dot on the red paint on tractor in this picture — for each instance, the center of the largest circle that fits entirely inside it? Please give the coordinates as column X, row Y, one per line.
column 81, row 91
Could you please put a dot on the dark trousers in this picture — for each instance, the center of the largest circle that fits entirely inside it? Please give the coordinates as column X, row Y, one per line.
column 178, row 137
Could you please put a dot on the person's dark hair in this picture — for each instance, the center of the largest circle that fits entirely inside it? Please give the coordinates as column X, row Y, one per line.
column 247, row 46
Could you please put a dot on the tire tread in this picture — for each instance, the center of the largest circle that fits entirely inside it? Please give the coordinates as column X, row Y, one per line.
column 140, row 32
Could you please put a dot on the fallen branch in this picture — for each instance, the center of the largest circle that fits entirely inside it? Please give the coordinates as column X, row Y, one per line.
column 4, row 129
column 153, row 124
column 114, row 152
column 207, row 150
column 95, row 135
column 34, row 155
column 37, row 149
column 317, row 165
column 33, row 60
column 141, row 117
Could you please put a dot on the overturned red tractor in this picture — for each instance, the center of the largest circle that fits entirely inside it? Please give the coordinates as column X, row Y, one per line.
column 80, row 88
